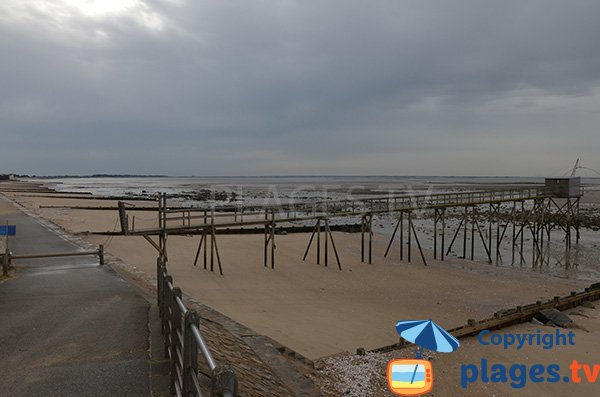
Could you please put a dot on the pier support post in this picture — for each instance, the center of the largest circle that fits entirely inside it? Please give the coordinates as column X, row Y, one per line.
column 200, row 248
column 577, row 220
column 439, row 217
column 370, row 237
column 366, row 227
column 402, row 235
column 328, row 238
column 392, row 238
column 466, row 222
column 270, row 239
column 215, row 247
column 362, row 238
column 319, row 241
column 414, row 231
column 473, row 223
column 266, row 245
column 273, row 239
column 522, row 232
column 490, row 225
column 462, row 221
column 435, row 229
column 328, row 230
column 409, row 248
column 209, row 237
column 312, row 236
column 443, row 215
column 514, row 220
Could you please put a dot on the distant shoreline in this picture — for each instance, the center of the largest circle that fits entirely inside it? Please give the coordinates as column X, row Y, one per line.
column 24, row 176
column 90, row 176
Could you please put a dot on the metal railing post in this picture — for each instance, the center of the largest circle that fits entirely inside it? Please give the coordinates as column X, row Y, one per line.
column 183, row 342
column 190, row 354
column 175, row 345
column 159, row 281
column 167, row 304
column 223, row 382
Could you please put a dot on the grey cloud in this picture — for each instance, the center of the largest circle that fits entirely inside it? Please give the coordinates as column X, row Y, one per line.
column 243, row 87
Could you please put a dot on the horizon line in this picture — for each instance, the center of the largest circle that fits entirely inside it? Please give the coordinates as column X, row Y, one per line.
column 103, row 175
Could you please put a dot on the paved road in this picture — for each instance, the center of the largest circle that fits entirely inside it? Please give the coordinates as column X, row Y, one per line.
column 67, row 326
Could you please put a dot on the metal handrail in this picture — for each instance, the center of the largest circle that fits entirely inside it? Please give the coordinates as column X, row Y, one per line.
column 183, row 343
column 203, row 348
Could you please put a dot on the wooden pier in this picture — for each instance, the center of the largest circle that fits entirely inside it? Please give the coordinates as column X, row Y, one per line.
column 487, row 217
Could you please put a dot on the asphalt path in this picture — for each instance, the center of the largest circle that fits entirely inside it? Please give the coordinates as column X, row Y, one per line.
column 68, row 327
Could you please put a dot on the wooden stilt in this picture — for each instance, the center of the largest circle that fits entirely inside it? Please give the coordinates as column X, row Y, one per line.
column 370, row 237
column 312, row 236
column 326, row 244
column 465, row 233
column 455, row 235
column 412, row 226
column 443, row 232
column 334, row 248
column 214, row 243
column 199, row 248
column 205, row 242
column 435, row 222
column 521, row 232
column 362, row 239
column 212, row 237
column 266, row 247
column 392, row 239
column 487, row 250
column 514, row 220
column 498, row 237
column 402, row 235
column 273, row 240
column 409, row 235
column 319, row 241
column 490, row 224
column 473, row 221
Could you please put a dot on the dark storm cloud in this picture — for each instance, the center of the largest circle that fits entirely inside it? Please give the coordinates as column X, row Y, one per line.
column 268, row 87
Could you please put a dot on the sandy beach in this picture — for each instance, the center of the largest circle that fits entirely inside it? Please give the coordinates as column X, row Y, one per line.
column 321, row 311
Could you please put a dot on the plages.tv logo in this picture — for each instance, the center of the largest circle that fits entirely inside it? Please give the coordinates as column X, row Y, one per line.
column 408, row 377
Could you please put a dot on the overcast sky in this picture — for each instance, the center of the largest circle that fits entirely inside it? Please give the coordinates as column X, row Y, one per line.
column 398, row 87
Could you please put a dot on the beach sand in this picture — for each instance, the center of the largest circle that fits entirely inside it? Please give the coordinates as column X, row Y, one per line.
column 319, row 311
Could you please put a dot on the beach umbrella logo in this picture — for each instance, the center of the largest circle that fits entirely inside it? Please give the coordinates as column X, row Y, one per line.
column 415, row 377
column 427, row 335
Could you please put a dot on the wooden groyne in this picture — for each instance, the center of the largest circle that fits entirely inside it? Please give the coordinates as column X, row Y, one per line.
column 512, row 316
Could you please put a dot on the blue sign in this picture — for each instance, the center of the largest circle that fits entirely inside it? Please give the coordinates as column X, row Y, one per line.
column 9, row 230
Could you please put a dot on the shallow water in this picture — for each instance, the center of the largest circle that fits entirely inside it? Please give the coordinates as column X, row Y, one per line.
column 581, row 262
